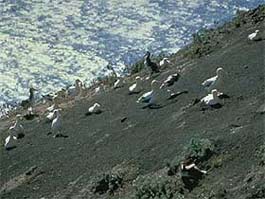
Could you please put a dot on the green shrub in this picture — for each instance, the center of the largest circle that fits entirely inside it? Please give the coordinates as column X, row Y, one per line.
column 157, row 186
column 200, row 149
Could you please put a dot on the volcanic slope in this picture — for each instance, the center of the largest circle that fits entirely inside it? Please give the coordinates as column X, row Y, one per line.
column 142, row 140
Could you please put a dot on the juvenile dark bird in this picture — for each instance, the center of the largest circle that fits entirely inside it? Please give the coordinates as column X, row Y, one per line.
column 152, row 65
column 29, row 102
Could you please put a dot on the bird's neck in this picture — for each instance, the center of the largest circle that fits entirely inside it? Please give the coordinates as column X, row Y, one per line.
column 215, row 96
column 58, row 116
column 147, row 59
column 31, row 95
column 17, row 122
column 219, row 75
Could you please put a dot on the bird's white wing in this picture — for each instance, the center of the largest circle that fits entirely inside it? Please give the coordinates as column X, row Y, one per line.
column 56, row 124
column 91, row 109
column 117, row 83
column 252, row 36
column 169, row 78
column 7, row 140
column 50, row 116
column 132, row 87
column 146, row 97
column 209, row 82
column 207, row 98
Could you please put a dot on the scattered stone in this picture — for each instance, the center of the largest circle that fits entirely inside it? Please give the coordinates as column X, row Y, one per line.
column 123, row 119
column 60, row 135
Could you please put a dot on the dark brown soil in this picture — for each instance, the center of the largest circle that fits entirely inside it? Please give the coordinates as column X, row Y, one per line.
column 142, row 143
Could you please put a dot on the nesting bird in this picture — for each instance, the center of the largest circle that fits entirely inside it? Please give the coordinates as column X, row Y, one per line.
column 171, row 79
column 211, row 99
column 150, row 97
column 253, row 35
column 118, row 84
column 95, row 109
column 152, row 65
column 10, row 142
column 164, row 62
column 213, row 82
column 137, row 86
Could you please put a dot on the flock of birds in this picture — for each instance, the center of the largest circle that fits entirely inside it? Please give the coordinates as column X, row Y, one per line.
column 16, row 131
column 75, row 92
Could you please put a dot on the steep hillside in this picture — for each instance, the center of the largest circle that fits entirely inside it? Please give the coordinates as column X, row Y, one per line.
column 124, row 151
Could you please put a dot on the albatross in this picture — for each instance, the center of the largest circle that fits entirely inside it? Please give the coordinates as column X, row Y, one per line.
column 253, row 35
column 56, row 126
column 211, row 99
column 150, row 97
column 136, row 87
column 10, row 142
column 212, row 82
column 118, row 84
column 164, row 62
column 95, row 109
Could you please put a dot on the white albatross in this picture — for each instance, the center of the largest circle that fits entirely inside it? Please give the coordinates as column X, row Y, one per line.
column 164, row 62
column 150, row 97
column 211, row 99
column 96, row 108
column 137, row 86
column 212, row 82
column 118, row 83
column 253, row 35
column 56, row 126
column 10, row 142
